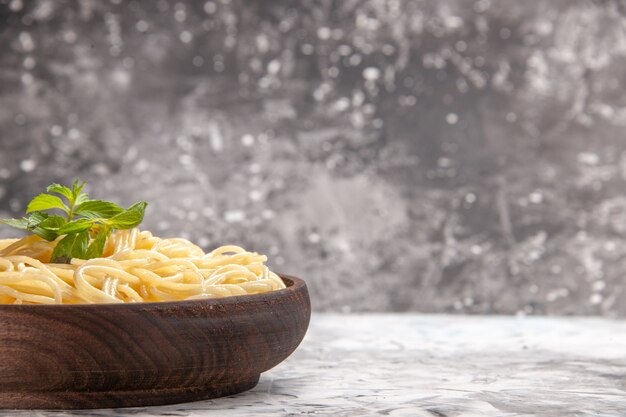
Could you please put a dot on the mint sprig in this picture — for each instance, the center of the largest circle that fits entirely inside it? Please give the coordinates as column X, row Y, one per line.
column 83, row 219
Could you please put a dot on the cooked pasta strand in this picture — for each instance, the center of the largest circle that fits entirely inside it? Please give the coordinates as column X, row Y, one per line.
column 136, row 267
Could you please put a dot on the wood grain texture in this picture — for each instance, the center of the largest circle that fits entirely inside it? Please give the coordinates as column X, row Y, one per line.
column 123, row 355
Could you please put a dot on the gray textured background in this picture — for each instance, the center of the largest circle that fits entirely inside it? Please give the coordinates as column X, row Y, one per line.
column 400, row 155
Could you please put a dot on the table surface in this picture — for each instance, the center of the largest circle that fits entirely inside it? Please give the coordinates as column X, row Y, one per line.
column 425, row 365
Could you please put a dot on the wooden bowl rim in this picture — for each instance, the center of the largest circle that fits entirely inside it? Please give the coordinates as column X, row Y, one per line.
column 293, row 284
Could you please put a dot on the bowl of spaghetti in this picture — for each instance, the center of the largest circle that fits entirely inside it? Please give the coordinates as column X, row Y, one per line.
column 137, row 320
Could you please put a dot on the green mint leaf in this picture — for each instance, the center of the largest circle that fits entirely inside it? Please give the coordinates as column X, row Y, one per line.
column 35, row 219
column 140, row 206
column 81, row 198
column 130, row 218
column 36, row 223
column 75, row 226
column 96, row 248
column 18, row 223
column 97, row 209
column 85, row 218
column 61, row 190
column 46, row 202
column 71, row 246
column 53, row 222
column 77, row 188
column 49, row 235
column 126, row 220
column 49, row 228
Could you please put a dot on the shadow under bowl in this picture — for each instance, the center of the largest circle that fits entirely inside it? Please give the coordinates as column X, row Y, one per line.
column 128, row 355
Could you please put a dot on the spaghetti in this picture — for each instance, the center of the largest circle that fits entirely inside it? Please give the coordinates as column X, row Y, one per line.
column 136, row 267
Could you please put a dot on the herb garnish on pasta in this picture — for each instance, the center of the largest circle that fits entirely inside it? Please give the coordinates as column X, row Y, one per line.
column 83, row 219
column 91, row 251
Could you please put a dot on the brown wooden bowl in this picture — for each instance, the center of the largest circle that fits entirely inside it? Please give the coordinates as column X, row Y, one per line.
column 126, row 355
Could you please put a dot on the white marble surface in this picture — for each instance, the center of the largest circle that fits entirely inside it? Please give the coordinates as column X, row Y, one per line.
column 420, row 365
